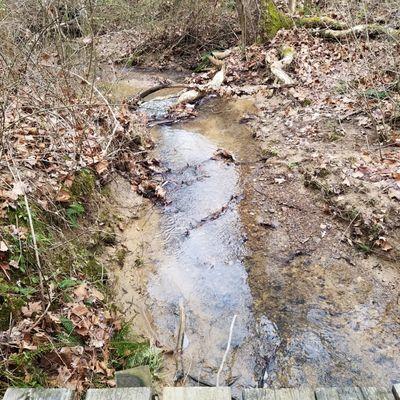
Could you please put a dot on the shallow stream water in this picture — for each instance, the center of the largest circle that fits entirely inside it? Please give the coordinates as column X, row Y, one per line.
column 193, row 251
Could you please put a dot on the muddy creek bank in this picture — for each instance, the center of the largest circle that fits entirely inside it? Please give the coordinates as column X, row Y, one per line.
column 234, row 240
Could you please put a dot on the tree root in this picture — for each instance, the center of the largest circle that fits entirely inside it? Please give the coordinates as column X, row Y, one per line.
column 320, row 22
column 277, row 66
column 361, row 30
column 332, row 29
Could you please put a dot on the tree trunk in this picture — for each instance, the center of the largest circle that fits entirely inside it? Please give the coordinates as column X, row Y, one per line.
column 260, row 19
column 249, row 15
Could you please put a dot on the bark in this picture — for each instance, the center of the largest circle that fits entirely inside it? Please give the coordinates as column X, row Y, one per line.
column 249, row 14
column 292, row 6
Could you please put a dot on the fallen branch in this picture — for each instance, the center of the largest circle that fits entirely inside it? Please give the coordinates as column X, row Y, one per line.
column 179, row 343
column 221, row 55
column 215, row 61
column 218, row 79
column 189, row 96
column 333, row 29
column 35, row 247
column 228, row 346
column 154, row 89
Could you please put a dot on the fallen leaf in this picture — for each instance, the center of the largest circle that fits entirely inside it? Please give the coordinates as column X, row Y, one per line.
column 63, row 196
column 19, row 189
column 31, row 309
column 3, row 246
column 222, row 153
column 394, row 194
column 279, row 181
column 81, row 292
column 79, row 310
column 101, row 166
column 96, row 293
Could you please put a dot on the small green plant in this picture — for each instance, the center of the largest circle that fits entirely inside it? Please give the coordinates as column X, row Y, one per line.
column 364, row 247
column 342, row 87
column 376, row 94
column 126, row 352
column 74, row 211
column 83, row 185
column 269, row 152
column 68, row 283
column 293, row 165
column 306, row 102
column 204, row 63
column 309, row 8
column 139, row 262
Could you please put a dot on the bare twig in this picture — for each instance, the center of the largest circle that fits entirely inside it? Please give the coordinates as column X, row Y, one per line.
column 181, row 336
column 35, row 247
column 227, row 349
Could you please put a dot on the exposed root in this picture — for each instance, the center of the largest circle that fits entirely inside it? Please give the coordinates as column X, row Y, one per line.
column 360, row 30
column 321, row 22
column 333, row 29
column 277, row 67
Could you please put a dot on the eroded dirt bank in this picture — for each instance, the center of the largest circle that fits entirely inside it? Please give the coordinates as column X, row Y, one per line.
column 246, row 237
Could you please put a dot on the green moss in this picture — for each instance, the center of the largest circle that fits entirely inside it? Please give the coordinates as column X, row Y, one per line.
column 83, row 185
column 317, row 22
column 273, row 20
column 120, row 256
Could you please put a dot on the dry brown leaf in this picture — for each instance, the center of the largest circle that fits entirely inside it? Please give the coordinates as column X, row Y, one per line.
column 63, row 196
column 79, row 310
column 3, row 247
column 82, row 292
column 32, row 308
column 101, row 166
column 96, row 293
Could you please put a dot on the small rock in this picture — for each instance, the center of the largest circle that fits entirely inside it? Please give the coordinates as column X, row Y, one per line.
column 267, row 224
column 134, row 377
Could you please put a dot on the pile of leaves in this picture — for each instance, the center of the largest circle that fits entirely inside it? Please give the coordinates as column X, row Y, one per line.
column 70, row 342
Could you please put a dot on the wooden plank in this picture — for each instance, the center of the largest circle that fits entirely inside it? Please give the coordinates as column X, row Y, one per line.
column 294, row 394
column 137, row 393
column 350, row 393
column 372, row 393
column 38, row 394
column 396, row 391
column 197, row 393
column 258, row 394
column 279, row 394
column 326, row 394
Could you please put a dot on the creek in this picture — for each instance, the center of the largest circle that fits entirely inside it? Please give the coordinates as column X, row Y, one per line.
column 193, row 254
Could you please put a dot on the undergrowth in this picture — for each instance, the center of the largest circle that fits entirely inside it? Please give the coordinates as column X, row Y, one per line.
column 53, row 338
